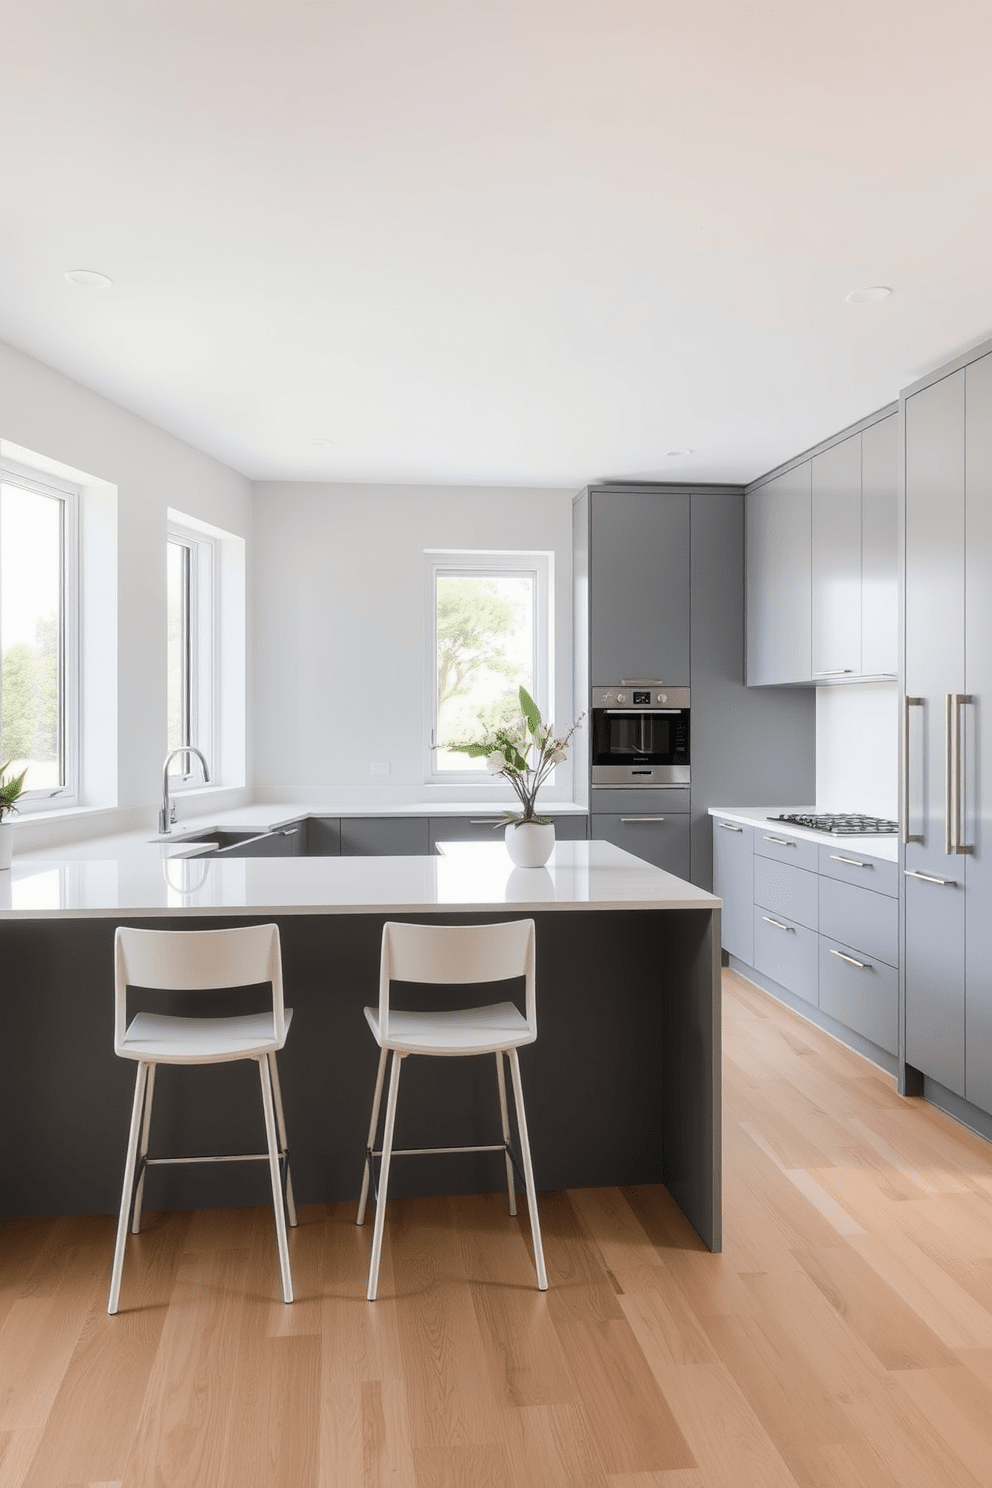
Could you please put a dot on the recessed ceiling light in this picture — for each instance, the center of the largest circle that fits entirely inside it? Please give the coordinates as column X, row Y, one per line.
column 88, row 279
column 870, row 295
column 670, row 453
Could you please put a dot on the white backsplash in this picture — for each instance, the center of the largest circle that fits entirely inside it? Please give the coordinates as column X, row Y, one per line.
column 857, row 748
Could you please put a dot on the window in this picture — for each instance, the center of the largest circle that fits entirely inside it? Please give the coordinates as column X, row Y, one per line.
column 191, row 668
column 38, row 635
column 488, row 634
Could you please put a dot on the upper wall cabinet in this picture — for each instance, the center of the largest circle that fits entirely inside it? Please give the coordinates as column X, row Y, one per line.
column 821, row 565
column 778, row 542
column 639, row 587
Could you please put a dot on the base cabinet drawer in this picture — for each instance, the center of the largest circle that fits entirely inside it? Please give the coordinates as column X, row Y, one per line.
column 787, row 891
column 798, row 852
column 661, row 840
column 384, row 836
column 861, row 993
column 786, row 952
column 858, row 917
column 854, row 867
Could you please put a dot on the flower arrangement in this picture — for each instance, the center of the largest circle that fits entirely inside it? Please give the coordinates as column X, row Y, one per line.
column 506, row 753
column 10, row 790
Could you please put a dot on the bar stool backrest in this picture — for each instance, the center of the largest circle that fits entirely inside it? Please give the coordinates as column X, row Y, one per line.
column 458, row 953
column 197, row 961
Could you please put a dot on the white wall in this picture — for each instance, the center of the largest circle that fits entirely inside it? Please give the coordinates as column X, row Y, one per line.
column 46, row 412
column 339, row 612
column 857, row 748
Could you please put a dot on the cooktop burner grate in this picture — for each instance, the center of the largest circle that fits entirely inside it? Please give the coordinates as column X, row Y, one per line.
column 852, row 825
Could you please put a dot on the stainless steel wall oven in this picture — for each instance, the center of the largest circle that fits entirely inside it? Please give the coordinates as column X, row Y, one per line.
column 640, row 735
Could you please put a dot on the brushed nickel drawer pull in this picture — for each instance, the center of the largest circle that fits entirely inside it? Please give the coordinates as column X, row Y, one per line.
column 641, row 818
column 835, row 672
column 929, row 878
column 729, row 827
column 778, row 924
column 484, row 821
column 862, row 965
column 782, row 841
column 854, row 862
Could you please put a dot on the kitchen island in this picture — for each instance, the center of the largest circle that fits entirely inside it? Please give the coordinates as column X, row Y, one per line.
column 623, row 1083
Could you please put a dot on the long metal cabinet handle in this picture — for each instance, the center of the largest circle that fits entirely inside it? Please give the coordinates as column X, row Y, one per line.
column 854, row 862
column 641, row 818
column 948, row 774
column 958, row 701
column 484, row 821
column 929, row 878
column 782, row 841
column 777, row 923
column 836, row 672
column 729, row 827
column 907, row 836
column 862, row 965
column 641, row 682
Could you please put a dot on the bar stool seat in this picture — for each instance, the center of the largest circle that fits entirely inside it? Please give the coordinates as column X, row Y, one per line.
column 463, row 955
column 192, row 962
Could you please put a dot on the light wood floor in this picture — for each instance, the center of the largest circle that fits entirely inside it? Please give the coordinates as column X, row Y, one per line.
column 842, row 1340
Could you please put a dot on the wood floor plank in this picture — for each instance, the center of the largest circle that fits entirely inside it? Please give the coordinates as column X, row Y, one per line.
column 730, row 1444
column 552, row 1446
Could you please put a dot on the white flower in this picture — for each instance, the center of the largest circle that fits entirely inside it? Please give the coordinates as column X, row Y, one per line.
column 558, row 756
column 496, row 762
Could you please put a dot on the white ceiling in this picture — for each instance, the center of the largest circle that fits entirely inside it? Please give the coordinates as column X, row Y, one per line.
column 521, row 242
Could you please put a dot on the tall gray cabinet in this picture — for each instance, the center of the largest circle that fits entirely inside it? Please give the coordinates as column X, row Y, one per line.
column 947, row 737
column 658, row 588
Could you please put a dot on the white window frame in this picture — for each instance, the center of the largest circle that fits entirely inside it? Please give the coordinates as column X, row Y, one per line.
column 33, row 801
column 481, row 564
column 203, row 660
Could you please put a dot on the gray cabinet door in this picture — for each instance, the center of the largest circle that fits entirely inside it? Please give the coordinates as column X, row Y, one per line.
column 324, row 837
column 661, row 840
column 978, row 732
column 777, row 577
column 934, row 911
column 384, row 837
column 639, row 587
column 836, row 560
column 465, row 829
column 880, row 547
column 733, row 882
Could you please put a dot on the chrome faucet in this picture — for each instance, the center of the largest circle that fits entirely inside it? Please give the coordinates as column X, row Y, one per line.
column 167, row 815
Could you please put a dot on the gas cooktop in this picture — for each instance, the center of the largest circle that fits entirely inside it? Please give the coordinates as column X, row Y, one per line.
column 852, row 825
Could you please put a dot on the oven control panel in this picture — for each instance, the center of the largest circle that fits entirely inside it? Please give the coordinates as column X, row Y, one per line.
column 640, row 697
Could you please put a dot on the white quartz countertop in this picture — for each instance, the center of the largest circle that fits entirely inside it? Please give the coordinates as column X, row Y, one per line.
column 763, row 817
column 464, row 876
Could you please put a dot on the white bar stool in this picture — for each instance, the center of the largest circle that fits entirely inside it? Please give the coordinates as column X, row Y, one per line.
column 442, row 954
column 197, row 961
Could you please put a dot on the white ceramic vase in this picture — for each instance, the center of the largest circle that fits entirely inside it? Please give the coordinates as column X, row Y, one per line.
column 530, row 844
column 6, row 844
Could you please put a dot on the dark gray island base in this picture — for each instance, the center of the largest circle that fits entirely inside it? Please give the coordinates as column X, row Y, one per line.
column 622, row 1086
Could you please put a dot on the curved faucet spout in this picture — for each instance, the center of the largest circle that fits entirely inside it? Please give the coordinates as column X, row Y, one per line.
column 167, row 814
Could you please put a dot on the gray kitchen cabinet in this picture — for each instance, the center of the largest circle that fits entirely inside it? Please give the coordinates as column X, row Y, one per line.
column 324, row 837
column 639, row 586
column 977, row 803
column 733, row 882
column 821, row 564
column 777, row 576
column 935, row 671
column 786, row 890
column 384, row 836
column 661, row 838
column 880, row 548
column 824, row 927
column 283, row 842
column 836, row 560
column 484, row 827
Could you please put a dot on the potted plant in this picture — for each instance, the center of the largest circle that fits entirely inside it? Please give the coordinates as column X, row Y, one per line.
column 524, row 753
column 9, row 792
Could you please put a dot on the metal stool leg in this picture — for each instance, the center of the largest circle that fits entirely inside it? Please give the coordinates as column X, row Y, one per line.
column 387, row 1151
column 373, row 1124
column 127, row 1192
column 535, row 1223
column 504, row 1116
column 283, row 1142
column 276, row 1176
column 143, row 1150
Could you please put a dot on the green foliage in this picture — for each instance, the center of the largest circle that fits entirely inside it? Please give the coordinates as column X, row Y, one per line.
column 10, row 790
column 29, row 697
column 506, row 753
column 473, row 622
